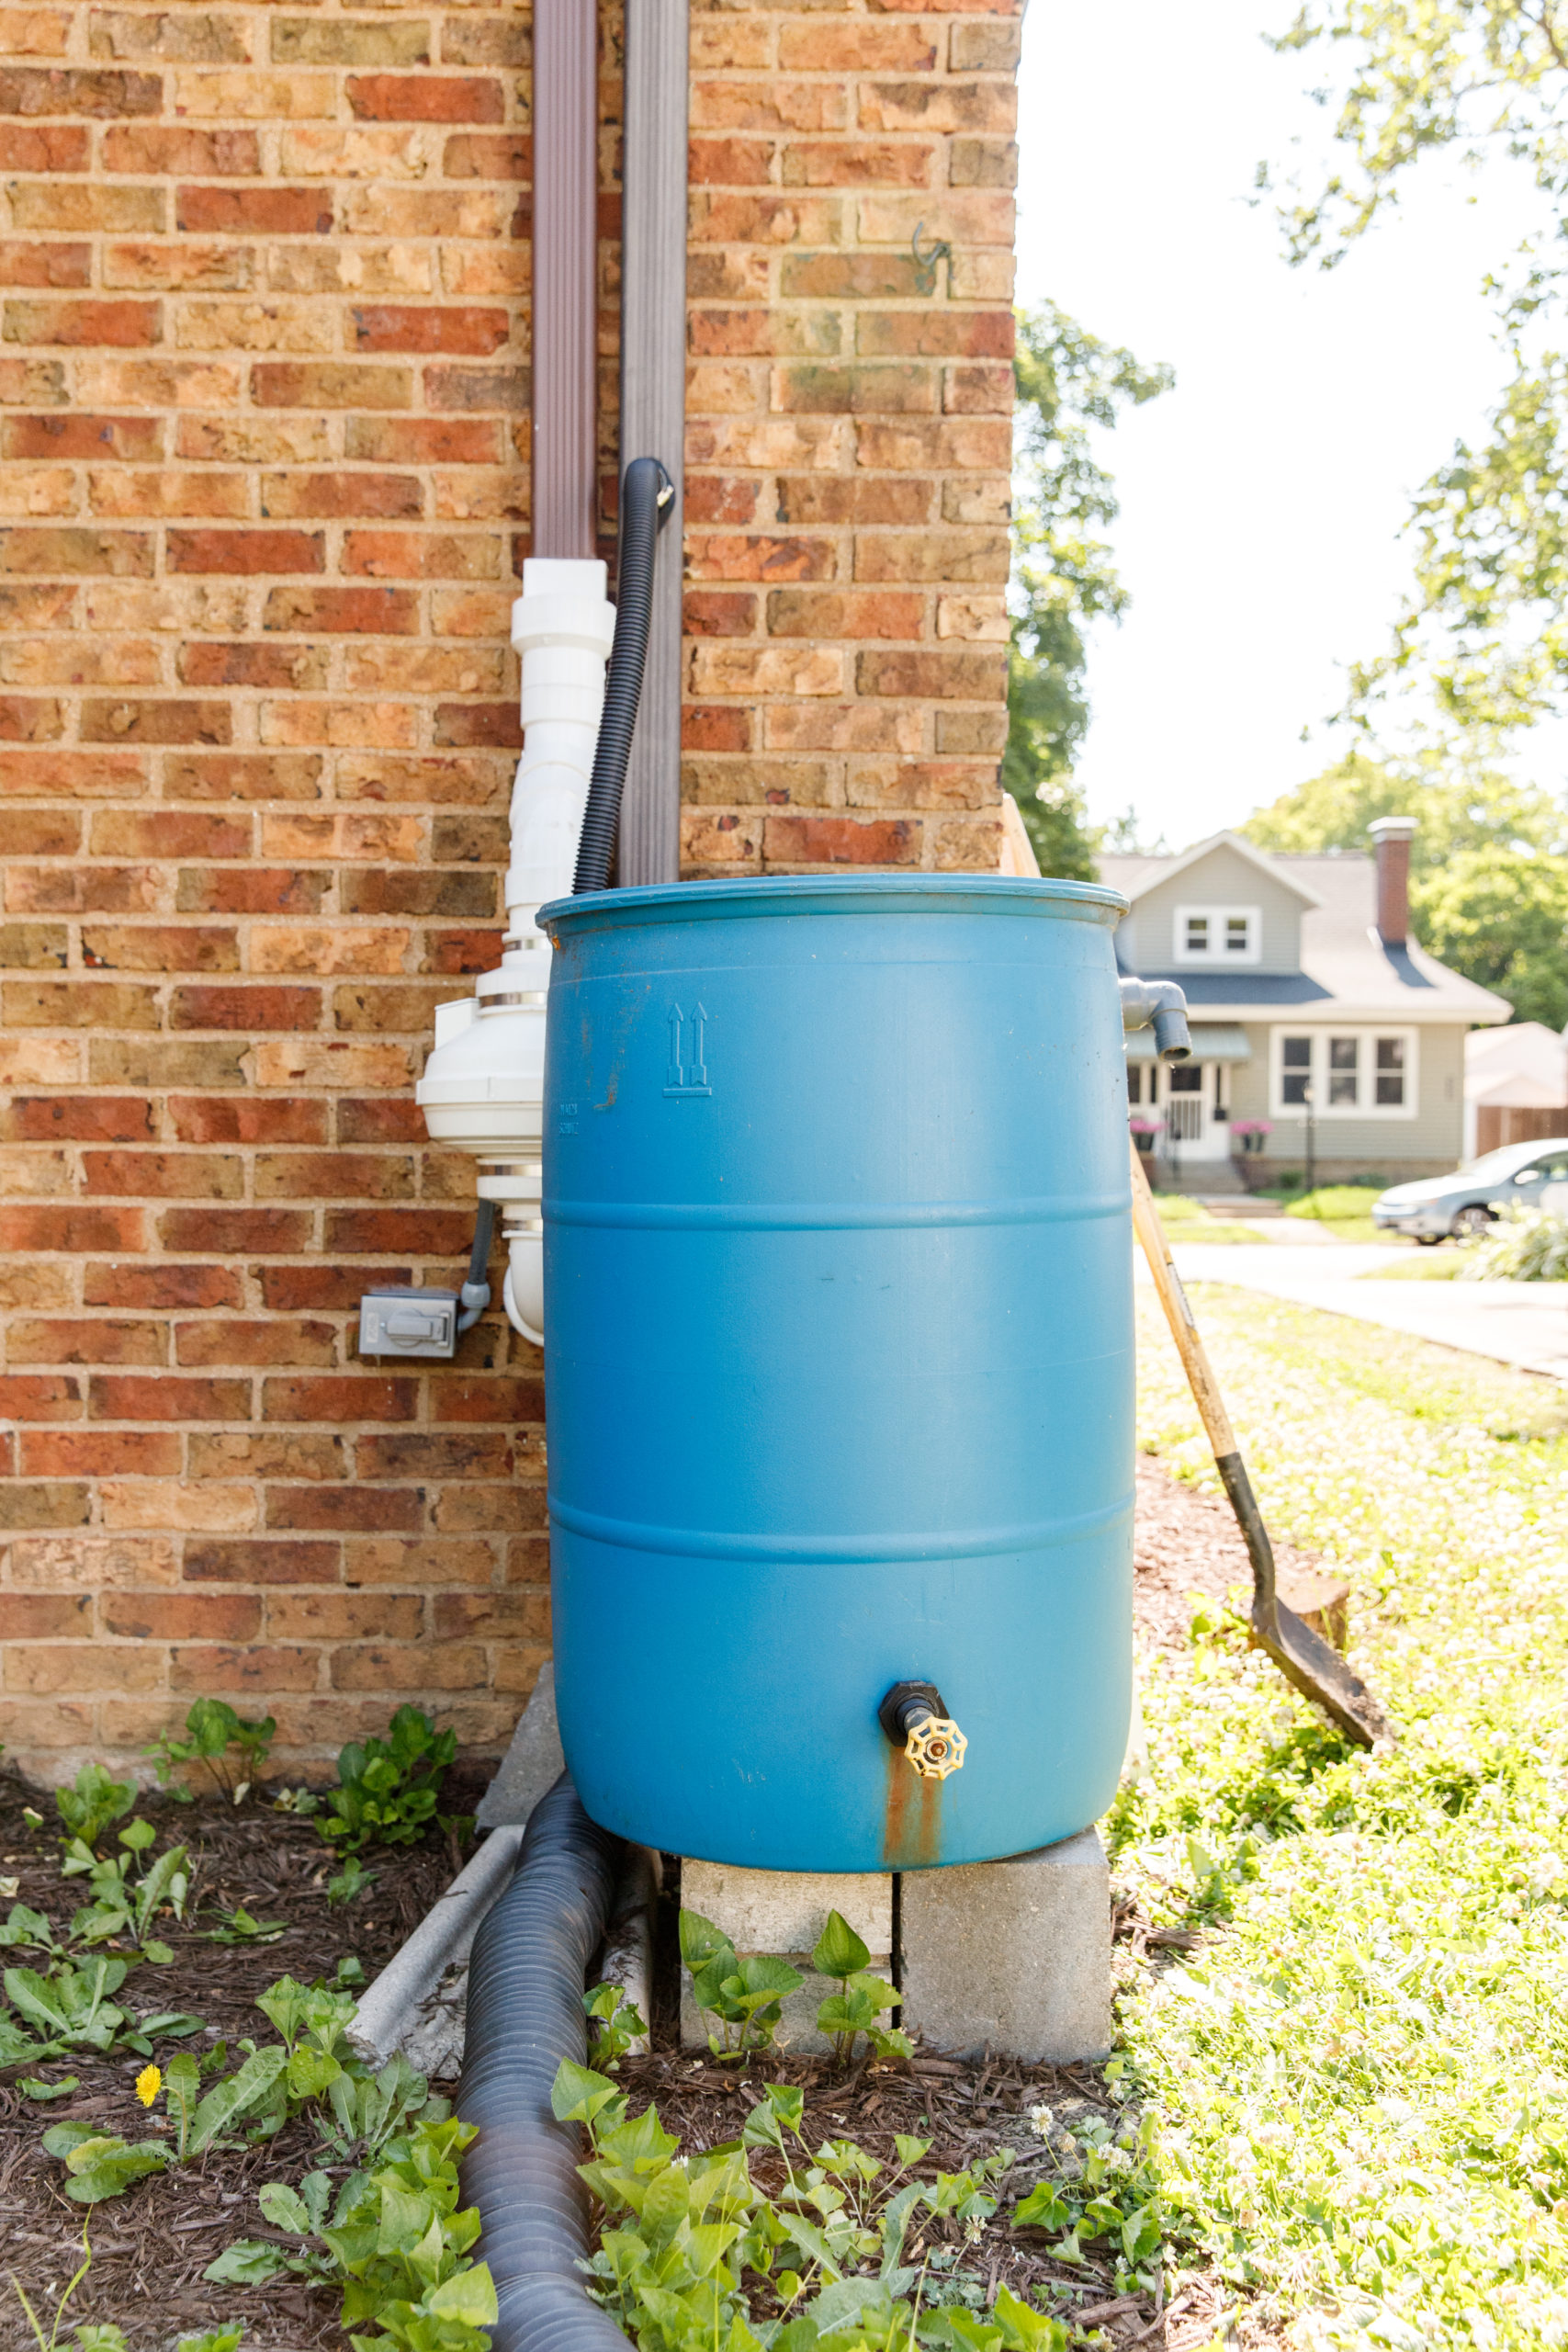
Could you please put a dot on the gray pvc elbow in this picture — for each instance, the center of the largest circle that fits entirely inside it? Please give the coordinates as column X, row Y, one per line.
column 1161, row 1003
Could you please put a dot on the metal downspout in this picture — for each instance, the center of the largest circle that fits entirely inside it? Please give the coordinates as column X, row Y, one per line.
column 653, row 406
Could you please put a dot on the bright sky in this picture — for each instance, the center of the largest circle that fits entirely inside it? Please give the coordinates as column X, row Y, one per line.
column 1262, row 499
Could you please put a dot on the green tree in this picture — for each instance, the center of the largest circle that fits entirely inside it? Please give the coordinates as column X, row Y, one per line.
column 1064, row 576
column 1484, row 628
column 1488, row 867
column 1500, row 916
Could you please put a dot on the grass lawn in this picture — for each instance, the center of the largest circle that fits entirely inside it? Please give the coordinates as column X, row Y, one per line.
column 1189, row 1220
column 1345, row 1209
column 1361, row 2072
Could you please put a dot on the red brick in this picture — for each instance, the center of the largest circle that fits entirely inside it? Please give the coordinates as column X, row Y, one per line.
column 354, row 1510
column 71, row 1228
column 86, row 1341
column 342, row 612
column 425, row 97
column 343, row 1616
column 229, row 1341
column 76, row 1118
column 40, row 1396
column 347, row 1396
column 409, row 326
column 254, row 891
column 388, row 1120
column 288, row 1290
column 207, row 1118
column 244, row 1008
column 37, row 90
column 199, row 1670
column 235, row 1231
column 56, row 147
column 497, row 155
column 460, row 725
column 102, row 1453
column 152, row 151
column 718, row 728
column 182, row 1616
column 121, row 323
column 841, row 841
column 55, row 264
column 81, row 435
column 254, row 212
column 46, row 1617
column 166, row 1287
column 466, row 1397
column 146, row 1396
column 299, row 667
column 246, row 551
column 45, row 1503
column 253, row 1562
column 474, row 1453
column 419, row 1233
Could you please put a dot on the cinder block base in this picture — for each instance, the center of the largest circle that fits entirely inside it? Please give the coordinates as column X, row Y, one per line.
column 782, row 1913
column 1013, row 1956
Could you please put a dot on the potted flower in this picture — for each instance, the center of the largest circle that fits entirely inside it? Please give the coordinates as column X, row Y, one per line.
column 1252, row 1137
column 1145, row 1132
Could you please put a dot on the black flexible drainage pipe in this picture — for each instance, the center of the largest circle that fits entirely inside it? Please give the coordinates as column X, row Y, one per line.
column 525, row 2015
column 645, row 499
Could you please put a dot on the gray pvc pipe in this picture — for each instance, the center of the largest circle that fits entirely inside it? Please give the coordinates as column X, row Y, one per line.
column 525, row 1982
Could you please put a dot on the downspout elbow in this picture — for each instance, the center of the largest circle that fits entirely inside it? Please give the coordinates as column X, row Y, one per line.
column 1162, row 1005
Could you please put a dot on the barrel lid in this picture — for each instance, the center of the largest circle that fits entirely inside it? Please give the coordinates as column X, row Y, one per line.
column 797, row 893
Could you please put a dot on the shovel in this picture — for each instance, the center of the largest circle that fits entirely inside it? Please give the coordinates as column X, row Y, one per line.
column 1303, row 1656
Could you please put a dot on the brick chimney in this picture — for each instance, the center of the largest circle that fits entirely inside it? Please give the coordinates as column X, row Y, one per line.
column 1392, row 835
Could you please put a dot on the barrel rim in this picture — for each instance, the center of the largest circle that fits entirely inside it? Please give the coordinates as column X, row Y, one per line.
column 781, row 894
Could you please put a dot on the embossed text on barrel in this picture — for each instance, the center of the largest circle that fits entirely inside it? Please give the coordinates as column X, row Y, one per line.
column 839, row 1361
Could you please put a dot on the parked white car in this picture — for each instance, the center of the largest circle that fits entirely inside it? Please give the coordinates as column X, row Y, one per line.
column 1531, row 1175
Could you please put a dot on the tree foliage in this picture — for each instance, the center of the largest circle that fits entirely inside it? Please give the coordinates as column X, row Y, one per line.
column 1064, row 575
column 1488, row 867
column 1483, row 627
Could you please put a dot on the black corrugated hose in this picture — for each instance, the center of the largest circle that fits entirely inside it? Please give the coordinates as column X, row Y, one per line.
column 525, row 2015
column 646, row 501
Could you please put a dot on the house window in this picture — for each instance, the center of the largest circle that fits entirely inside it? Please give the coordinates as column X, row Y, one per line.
column 1295, row 1077
column 1216, row 934
column 1346, row 1073
column 1135, row 1082
column 1390, row 1091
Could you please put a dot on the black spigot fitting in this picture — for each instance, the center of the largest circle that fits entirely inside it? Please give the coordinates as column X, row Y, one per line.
column 906, row 1704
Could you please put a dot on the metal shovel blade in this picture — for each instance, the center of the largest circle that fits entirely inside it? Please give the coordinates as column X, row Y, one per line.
column 1318, row 1672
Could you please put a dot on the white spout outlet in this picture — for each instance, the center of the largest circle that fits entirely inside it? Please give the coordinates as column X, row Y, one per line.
column 483, row 1086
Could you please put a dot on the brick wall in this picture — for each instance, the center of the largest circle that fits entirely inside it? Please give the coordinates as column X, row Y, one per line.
column 849, row 436
column 264, row 389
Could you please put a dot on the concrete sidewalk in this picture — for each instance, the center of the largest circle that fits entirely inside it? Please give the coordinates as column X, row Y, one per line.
column 1523, row 1324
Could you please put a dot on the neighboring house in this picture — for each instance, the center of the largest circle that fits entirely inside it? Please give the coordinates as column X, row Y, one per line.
column 1313, row 1009
column 1516, row 1086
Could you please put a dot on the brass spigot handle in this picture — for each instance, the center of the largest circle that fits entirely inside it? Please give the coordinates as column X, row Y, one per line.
column 935, row 1747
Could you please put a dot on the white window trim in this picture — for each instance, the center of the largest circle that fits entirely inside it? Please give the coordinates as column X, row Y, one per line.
column 1322, row 1110
column 1218, row 917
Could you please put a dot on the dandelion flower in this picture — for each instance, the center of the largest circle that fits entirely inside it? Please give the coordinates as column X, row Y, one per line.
column 149, row 2083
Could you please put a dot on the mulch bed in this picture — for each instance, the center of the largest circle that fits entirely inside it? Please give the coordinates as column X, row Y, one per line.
column 150, row 2245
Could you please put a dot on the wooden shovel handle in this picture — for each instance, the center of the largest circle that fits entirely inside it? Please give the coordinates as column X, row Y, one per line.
column 1178, row 1314
column 1204, row 1387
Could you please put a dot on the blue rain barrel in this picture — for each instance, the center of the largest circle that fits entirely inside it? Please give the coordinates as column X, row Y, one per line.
column 839, row 1361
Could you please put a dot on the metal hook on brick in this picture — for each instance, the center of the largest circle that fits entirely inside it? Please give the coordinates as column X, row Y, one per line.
column 925, row 263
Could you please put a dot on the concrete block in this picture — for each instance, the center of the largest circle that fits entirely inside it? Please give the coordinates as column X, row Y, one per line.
column 1013, row 1956
column 782, row 1913
column 531, row 1764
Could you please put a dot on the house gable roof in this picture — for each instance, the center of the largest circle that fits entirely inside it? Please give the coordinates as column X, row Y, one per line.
column 1165, row 870
column 1347, row 970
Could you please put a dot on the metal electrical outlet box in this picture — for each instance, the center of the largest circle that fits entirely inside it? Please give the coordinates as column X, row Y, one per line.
column 409, row 1323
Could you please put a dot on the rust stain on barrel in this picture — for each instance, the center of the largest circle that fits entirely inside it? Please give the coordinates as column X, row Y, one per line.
column 910, row 1845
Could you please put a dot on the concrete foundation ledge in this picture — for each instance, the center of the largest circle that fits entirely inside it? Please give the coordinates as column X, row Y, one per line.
column 1011, row 1956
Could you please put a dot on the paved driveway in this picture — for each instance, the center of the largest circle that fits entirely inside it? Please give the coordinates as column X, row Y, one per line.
column 1524, row 1324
